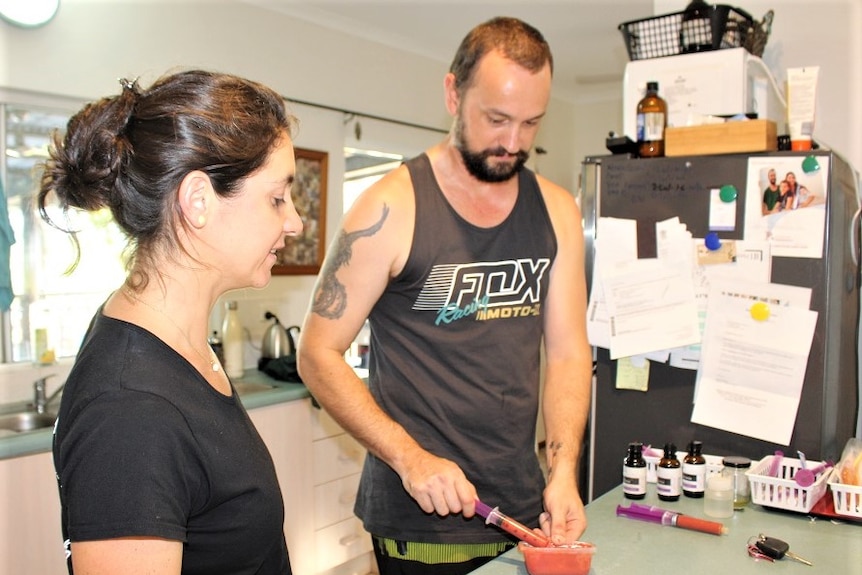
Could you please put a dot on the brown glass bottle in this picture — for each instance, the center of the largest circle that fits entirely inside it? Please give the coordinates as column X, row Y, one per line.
column 694, row 471
column 652, row 119
column 669, row 475
column 634, row 472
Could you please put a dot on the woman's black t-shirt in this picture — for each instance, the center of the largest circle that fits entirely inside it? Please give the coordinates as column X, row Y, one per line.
column 145, row 447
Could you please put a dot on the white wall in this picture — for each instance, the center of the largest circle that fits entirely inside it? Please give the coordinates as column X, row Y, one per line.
column 92, row 43
column 823, row 33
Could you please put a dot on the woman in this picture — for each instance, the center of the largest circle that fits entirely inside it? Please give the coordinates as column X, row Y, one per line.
column 786, row 196
column 802, row 198
column 159, row 467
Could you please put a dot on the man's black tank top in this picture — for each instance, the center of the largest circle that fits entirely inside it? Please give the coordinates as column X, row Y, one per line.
column 455, row 353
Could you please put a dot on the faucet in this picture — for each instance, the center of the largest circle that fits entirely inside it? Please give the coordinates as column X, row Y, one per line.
column 40, row 401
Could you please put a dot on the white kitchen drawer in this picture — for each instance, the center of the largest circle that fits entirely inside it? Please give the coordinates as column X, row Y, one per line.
column 322, row 425
column 365, row 564
column 341, row 542
column 333, row 501
column 336, row 457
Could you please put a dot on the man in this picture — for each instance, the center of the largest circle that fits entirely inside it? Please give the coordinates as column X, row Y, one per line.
column 465, row 264
column 771, row 195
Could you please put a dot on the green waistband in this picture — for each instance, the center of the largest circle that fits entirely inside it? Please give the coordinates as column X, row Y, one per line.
column 436, row 553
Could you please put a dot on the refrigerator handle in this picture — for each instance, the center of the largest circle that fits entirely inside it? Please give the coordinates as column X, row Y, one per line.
column 855, row 236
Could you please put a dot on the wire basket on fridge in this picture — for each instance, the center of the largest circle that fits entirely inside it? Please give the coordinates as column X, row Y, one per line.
column 720, row 27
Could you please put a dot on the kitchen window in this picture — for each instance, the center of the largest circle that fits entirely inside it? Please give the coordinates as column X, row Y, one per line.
column 364, row 167
column 51, row 308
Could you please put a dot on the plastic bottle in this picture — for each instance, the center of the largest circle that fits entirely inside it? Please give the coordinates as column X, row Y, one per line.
column 718, row 500
column 215, row 343
column 669, row 475
column 41, row 337
column 694, row 471
column 735, row 468
column 634, row 472
column 695, row 33
column 652, row 119
column 232, row 342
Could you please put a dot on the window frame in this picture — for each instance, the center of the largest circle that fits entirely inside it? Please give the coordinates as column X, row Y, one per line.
column 15, row 352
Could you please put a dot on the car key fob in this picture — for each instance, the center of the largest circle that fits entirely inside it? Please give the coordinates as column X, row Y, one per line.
column 777, row 549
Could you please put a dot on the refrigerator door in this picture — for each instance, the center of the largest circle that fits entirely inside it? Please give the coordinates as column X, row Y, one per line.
column 656, row 189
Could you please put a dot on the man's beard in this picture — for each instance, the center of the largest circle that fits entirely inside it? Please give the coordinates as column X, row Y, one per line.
column 477, row 162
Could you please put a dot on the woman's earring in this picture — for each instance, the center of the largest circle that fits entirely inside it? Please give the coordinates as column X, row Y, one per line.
column 202, row 220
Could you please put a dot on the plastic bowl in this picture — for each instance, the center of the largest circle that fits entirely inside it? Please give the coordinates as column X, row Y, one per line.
column 572, row 559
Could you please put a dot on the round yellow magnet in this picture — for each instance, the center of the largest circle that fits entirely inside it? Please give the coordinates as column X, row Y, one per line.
column 759, row 311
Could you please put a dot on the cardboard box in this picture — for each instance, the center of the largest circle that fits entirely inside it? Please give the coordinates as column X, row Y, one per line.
column 727, row 138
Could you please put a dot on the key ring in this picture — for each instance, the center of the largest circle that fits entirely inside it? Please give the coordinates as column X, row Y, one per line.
column 756, row 553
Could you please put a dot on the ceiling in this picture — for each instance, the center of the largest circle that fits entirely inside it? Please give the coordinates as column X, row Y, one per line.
column 587, row 46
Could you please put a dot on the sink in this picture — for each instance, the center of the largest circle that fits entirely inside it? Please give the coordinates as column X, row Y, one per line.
column 27, row 421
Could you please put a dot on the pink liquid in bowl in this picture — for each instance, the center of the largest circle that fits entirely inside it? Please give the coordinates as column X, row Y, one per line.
column 572, row 559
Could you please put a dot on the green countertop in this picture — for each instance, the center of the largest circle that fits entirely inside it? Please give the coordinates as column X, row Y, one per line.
column 629, row 547
column 255, row 389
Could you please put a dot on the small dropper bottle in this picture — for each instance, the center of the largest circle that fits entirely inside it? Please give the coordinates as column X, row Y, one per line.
column 669, row 475
column 634, row 472
column 694, row 471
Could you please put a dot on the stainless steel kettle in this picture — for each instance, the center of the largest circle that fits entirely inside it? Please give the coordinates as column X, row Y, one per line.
column 276, row 342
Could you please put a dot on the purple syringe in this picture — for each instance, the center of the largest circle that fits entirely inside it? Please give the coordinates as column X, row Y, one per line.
column 672, row 518
column 509, row 525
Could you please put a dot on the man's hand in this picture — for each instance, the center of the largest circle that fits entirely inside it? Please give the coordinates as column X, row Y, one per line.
column 565, row 520
column 438, row 485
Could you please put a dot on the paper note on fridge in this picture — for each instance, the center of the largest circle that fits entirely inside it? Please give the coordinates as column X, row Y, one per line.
column 616, row 241
column 650, row 306
column 752, row 370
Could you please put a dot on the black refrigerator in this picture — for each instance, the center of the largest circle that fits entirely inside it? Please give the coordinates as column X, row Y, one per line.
column 654, row 190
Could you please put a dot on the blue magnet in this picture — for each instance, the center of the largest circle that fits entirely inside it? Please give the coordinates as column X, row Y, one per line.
column 712, row 241
column 810, row 165
column 728, row 193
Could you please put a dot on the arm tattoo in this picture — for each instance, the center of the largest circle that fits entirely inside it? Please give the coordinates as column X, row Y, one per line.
column 553, row 448
column 331, row 297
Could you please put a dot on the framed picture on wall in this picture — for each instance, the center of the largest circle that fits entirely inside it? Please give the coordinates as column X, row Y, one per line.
column 303, row 255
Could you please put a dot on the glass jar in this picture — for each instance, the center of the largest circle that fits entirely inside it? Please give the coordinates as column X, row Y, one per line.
column 735, row 468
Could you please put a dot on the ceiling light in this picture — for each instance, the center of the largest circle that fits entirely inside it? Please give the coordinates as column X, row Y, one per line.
column 28, row 13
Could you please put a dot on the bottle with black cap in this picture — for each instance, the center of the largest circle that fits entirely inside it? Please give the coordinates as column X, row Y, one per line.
column 652, row 120
column 634, row 472
column 694, row 471
column 669, row 475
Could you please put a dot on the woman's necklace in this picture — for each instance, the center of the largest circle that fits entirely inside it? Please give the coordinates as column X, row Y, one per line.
column 213, row 360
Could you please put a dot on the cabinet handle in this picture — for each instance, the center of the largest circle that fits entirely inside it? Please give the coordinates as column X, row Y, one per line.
column 348, row 455
column 348, row 540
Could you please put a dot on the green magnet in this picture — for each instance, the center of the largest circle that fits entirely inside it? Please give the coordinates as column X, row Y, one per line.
column 727, row 193
column 810, row 165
